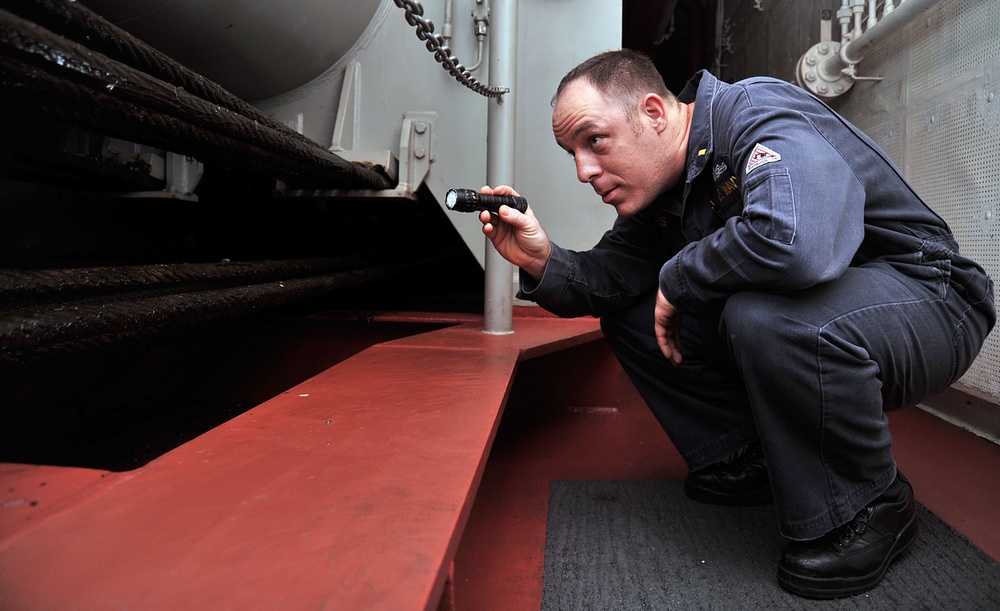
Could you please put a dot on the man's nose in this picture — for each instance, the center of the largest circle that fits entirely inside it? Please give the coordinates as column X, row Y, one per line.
column 586, row 168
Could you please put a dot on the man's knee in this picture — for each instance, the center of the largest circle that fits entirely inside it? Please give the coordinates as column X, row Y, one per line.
column 756, row 322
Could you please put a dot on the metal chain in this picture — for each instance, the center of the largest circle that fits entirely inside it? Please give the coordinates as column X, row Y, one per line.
column 442, row 53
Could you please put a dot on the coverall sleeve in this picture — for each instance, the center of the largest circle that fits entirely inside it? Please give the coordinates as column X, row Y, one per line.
column 802, row 218
column 622, row 266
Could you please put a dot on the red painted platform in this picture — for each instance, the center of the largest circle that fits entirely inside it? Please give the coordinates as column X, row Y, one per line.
column 350, row 490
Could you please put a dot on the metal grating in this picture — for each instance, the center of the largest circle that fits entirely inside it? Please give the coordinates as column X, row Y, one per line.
column 937, row 113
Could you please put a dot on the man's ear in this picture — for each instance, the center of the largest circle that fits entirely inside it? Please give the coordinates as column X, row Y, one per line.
column 654, row 110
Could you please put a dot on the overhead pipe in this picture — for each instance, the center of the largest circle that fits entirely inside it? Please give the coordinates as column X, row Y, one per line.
column 498, row 314
column 828, row 68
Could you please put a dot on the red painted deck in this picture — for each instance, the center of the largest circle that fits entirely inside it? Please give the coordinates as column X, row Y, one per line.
column 357, row 488
column 348, row 491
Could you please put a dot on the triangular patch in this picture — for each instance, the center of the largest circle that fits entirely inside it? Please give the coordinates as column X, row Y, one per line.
column 761, row 155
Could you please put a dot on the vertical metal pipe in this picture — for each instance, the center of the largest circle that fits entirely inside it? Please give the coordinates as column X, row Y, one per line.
column 447, row 29
column 498, row 318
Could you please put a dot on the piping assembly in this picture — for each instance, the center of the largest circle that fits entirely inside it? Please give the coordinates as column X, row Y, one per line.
column 828, row 68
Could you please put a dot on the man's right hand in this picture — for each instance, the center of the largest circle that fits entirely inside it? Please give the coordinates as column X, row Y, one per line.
column 518, row 237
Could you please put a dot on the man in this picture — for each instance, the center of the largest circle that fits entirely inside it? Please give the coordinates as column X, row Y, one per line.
column 772, row 285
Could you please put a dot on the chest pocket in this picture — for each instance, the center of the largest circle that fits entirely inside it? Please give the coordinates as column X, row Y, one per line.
column 725, row 197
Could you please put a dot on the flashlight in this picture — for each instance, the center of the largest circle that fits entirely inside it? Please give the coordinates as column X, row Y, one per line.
column 467, row 200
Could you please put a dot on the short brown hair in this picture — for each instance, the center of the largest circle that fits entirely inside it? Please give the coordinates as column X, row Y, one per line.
column 622, row 75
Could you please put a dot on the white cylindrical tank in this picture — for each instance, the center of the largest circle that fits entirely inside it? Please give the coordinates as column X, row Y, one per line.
column 290, row 59
column 256, row 49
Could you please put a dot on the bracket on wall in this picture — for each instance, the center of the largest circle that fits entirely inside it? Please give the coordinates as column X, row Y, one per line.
column 417, row 141
column 180, row 174
column 417, row 148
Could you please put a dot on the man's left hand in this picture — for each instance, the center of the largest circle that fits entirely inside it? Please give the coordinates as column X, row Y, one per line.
column 667, row 322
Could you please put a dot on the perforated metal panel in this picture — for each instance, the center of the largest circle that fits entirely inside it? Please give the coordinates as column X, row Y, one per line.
column 937, row 113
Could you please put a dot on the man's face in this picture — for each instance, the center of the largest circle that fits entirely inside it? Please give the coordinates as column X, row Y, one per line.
column 619, row 158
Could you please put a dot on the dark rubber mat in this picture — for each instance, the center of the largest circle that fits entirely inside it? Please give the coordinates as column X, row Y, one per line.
column 644, row 545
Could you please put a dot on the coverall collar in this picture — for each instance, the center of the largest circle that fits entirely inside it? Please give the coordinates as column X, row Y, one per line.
column 701, row 88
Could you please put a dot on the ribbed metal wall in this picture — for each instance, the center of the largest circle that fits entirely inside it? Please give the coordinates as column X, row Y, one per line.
column 937, row 113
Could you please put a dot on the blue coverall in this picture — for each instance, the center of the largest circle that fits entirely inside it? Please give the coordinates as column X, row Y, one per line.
column 817, row 291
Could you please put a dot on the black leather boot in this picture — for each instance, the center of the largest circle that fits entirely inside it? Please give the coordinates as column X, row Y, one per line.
column 854, row 557
column 738, row 481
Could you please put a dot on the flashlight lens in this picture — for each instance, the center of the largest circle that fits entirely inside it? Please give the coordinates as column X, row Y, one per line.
column 451, row 199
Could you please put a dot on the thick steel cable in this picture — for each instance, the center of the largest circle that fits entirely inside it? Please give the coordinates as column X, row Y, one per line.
column 35, row 332
column 85, row 27
column 31, row 333
column 42, row 72
column 22, row 285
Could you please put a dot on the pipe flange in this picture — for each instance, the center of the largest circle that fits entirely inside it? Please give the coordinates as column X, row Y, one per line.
column 810, row 75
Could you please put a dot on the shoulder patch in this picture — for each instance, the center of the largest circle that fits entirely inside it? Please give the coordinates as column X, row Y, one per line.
column 761, row 155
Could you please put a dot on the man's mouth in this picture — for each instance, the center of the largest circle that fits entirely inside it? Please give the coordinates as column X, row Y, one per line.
column 606, row 196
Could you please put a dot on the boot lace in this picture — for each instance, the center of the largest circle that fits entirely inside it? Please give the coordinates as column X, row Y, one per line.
column 737, row 461
column 847, row 534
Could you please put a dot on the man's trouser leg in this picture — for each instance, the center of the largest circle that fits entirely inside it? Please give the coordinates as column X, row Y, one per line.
column 822, row 365
column 819, row 366
column 702, row 403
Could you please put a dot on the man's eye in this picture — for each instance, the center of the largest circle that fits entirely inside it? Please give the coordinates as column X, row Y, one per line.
column 595, row 140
